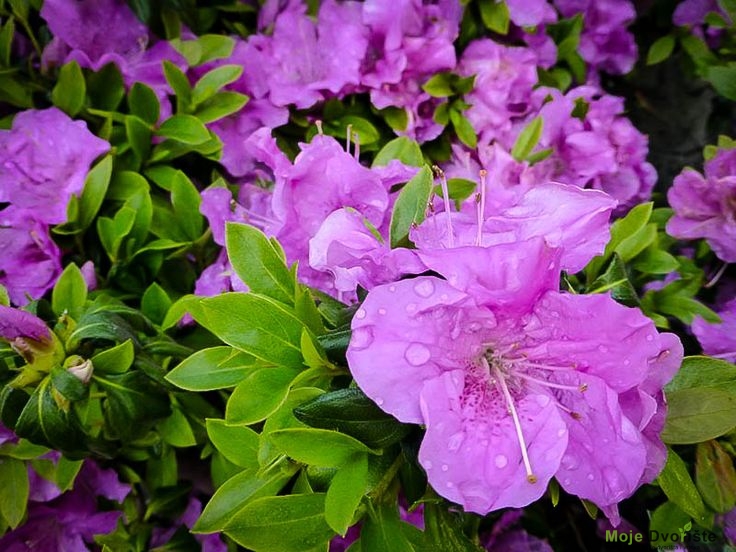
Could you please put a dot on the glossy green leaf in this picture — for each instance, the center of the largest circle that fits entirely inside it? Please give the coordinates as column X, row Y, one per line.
column 703, row 371
column 14, row 490
column 176, row 430
column 259, row 262
column 411, row 206
column 699, row 414
column 677, row 484
column 350, row 411
column 528, row 139
column 661, row 49
column 70, row 91
column 402, row 148
column 184, row 128
column 211, row 82
column 143, row 103
column 259, row 395
column 221, row 105
column 290, row 523
column 345, row 493
column 70, row 292
column 213, row 368
column 115, row 360
column 319, row 447
column 255, row 324
column 238, row 443
column 495, row 16
column 237, row 492
column 463, row 129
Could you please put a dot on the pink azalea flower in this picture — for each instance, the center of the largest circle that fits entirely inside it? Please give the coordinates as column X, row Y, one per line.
column 705, row 205
column 31, row 261
column 516, row 382
column 44, row 159
column 718, row 340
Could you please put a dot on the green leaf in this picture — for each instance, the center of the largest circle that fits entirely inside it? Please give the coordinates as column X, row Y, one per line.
column 139, row 136
column 616, row 281
column 382, row 531
column 237, row 492
column 259, row 262
column 677, row 484
column 143, row 103
column 667, row 519
column 655, row 261
column 6, row 41
column 495, row 16
column 703, row 371
column 221, row 105
column 133, row 404
column 70, row 90
column 463, row 129
column 186, row 199
column 446, row 527
column 259, row 395
column 362, row 130
column 42, row 421
column 176, row 430
column 715, row 476
column 210, row 369
column 319, row 447
column 238, row 443
column 528, row 139
column 67, row 384
column 70, row 292
column 180, row 84
column 699, row 414
column 439, row 86
column 351, row 412
column 291, row 523
column 661, row 49
column 255, row 324
column 402, row 148
column 345, row 493
column 411, row 206
column 82, row 211
column 155, row 303
column 211, row 82
column 66, row 472
column 14, row 490
column 184, row 128
column 723, row 79
column 115, row 360
column 395, row 117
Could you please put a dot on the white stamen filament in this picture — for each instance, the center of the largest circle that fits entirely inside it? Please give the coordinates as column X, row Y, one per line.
column 349, row 133
column 538, row 366
column 318, row 124
column 446, row 196
column 713, row 281
column 481, row 207
column 582, row 387
column 515, row 417
column 356, row 146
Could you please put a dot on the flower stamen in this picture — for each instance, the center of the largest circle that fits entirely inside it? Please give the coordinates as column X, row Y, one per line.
column 446, row 197
column 530, row 477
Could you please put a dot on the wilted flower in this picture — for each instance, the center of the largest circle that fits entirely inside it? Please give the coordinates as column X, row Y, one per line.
column 705, row 205
column 44, row 159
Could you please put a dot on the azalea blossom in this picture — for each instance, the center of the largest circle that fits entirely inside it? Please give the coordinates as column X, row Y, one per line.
column 705, row 204
column 44, row 159
column 719, row 339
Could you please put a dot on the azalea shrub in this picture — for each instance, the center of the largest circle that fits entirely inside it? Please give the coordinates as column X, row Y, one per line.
column 422, row 275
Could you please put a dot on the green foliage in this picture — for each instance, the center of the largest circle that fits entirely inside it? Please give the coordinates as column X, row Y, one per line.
column 411, row 206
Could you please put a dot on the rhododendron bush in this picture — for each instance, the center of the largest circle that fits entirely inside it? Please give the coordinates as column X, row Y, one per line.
column 418, row 275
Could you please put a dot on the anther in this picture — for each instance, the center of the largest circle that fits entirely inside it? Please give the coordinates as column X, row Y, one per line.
column 318, row 124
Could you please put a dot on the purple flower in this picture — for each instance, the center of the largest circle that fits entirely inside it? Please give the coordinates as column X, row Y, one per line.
column 44, row 159
column 515, row 382
column 308, row 61
column 505, row 78
column 209, row 543
column 97, row 32
column 530, row 13
column 70, row 521
column 693, row 12
column 15, row 323
column 31, row 261
column 705, row 205
column 506, row 536
column 604, row 42
column 718, row 340
column 514, row 205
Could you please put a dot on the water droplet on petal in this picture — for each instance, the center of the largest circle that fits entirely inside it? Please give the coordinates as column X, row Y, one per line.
column 445, row 467
column 360, row 314
column 392, row 288
column 425, row 288
column 455, row 441
column 382, row 312
column 417, row 354
column 379, row 401
column 501, row 461
column 650, row 337
column 590, row 477
column 411, row 307
column 428, row 465
column 602, row 348
column 561, row 432
column 361, row 338
column 450, row 485
column 627, row 362
column 542, row 400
